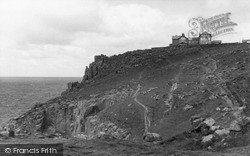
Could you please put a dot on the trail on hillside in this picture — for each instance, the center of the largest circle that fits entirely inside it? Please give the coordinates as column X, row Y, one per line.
column 146, row 111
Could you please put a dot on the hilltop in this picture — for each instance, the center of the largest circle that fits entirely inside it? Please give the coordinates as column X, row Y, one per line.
column 183, row 98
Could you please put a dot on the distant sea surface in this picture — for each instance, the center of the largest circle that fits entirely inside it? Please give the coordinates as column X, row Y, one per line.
column 18, row 94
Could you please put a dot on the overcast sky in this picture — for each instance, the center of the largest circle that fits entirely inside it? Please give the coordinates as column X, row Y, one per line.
column 61, row 37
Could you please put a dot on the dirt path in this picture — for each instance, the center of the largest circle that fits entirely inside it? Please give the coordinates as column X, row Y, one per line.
column 146, row 111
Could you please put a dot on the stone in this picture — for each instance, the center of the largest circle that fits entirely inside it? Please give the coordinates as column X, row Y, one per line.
column 207, row 138
column 213, row 128
column 209, row 121
column 115, row 127
column 110, row 124
column 51, row 130
column 100, row 134
column 151, row 137
column 196, row 120
column 222, row 132
column 127, row 137
column 148, row 137
column 39, row 135
column 234, row 126
column 4, row 133
column 82, row 136
column 209, row 148
column 225, row 109
column 218, row 108
column 187, row 107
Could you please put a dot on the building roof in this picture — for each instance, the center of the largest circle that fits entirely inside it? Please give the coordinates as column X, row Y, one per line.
column 176, row 37
column 205, row 33
column 183, row 35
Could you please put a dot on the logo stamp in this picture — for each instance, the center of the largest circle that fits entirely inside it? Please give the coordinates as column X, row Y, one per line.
column 217, row 25
column 31, row 149
column 7, row 150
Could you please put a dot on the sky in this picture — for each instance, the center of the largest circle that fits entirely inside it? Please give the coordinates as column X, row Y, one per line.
column 59, row 38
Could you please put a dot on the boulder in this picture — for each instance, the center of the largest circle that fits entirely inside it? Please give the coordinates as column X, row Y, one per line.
column 187, row 107
column 222, row 132
column 4, row 133
column 213, row 128
column 207, row 138
column 151, row 137
column 196, row 120
column 210, row 122
column 234, row 126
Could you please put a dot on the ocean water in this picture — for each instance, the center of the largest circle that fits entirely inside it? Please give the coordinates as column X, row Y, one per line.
column 18, row 94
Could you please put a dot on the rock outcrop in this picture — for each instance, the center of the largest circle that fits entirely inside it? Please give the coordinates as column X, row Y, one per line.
column 71, row 86
column 96, row 68
column 72, row 118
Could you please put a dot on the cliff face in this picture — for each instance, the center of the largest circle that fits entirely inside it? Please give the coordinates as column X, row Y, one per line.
column 196, row 94
column 77, row 118
column 96, row 68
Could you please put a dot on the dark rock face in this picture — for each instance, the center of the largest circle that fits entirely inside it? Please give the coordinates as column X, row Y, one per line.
column 71, row 87
column 197, row 95
column 72, row 118
column 95, row 68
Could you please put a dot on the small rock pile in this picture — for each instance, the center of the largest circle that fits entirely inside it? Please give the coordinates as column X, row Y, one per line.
column 208, row 129
column 95, row 128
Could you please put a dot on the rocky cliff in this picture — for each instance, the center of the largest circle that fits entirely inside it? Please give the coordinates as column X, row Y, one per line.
column 188, row 97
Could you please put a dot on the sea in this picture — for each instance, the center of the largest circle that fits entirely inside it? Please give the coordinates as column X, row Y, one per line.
column 19, row 94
